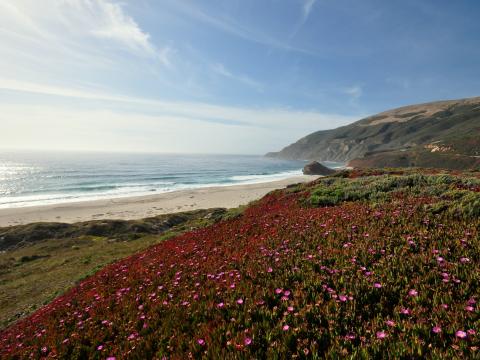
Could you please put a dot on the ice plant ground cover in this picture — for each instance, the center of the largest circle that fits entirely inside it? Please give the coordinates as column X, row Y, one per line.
column 381, row 264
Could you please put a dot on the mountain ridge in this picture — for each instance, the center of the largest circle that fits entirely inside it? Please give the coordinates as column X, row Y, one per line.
column 446, row 129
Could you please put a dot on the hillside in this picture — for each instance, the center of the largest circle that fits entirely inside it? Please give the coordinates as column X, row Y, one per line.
column 439, row 134
column 373, row 265
column 42, row 260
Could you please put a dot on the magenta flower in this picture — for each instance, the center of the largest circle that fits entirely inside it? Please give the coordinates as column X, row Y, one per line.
column 437, row 329
column 461, row 334
column 285, row 327
column 201, row 342
column 381, row 334
column 278, row 291
column 377, row 285
column 350, row 336
column 247, row 341
column 405, row 311
column 220, row 305
column 269, row 270
column 413, row 292
column 471, row 332
column 240, row 301
column 342, row 298
column 111, row 358
column 100, row 347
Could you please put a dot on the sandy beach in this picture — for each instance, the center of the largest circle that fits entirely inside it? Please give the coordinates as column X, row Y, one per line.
column 145, row 206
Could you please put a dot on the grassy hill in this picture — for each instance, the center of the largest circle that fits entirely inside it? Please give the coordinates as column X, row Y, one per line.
column 433, row 134
column 361, row 264
column 42, row 260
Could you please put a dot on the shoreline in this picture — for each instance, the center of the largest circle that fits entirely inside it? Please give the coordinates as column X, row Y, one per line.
column 139, row 207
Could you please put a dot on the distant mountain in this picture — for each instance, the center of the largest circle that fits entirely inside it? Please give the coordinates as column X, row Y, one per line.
column 438, row 134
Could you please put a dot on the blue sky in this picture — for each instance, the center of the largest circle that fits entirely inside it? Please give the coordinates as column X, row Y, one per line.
column 230, row 76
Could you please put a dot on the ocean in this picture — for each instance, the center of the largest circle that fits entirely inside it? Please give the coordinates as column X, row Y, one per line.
column 40, row 178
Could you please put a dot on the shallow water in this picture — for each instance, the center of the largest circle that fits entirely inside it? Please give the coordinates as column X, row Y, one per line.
column 38, row 178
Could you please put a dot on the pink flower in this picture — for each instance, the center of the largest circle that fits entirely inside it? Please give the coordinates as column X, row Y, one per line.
column 390, row 323
column 290, row 309
column 247, row 341
column 444, row 306
column 464, row 260
column 405, row 311
column 220, row 305
column 240, row 301
column 269, row 270
column 471, row 332
column 437, row 329
column 350, row 336
column 111, row 358
column 100, row 347
column 469, row 308
column 377, row 285
column 381, row 334
column 342, row 298
column 413, row 292
column 201, row 342
column 278, row 291
column 461, row 334
column 285, row 327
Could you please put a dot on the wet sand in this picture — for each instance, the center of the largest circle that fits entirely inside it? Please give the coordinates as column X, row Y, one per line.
column 146, row 206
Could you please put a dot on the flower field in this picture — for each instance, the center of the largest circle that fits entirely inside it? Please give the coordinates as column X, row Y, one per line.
column 358, row 265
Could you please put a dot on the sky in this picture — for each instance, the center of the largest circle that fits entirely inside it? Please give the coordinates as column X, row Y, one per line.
column 222, row 76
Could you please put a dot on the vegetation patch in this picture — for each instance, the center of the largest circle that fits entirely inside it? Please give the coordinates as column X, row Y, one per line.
column 376, row 274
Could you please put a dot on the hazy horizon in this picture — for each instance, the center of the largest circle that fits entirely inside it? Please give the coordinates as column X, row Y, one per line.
column 237, row 77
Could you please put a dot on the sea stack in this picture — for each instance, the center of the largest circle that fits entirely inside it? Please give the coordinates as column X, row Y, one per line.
column 315, row 168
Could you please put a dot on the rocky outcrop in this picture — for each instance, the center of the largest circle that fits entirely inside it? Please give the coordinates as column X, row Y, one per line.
column 315, row 168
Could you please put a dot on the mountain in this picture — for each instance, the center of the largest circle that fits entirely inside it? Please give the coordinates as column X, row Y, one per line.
column 437, row 134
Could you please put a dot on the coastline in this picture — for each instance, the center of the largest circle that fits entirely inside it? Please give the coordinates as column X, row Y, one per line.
column 138, row 207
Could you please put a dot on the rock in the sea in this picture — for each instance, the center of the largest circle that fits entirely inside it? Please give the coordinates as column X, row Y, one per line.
column 315, row 168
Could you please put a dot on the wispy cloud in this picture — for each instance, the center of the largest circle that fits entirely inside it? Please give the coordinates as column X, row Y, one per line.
column 307, row 8
column 222, row 70
column 233, row 27
column 354, row 91
column 75, row 28
column 168, row 114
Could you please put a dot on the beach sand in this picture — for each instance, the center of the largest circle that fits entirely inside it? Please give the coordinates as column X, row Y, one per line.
column 146, row 206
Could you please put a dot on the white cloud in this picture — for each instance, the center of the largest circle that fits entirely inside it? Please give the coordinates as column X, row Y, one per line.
column 181, row 126
column 74, row 29
column 222, row 70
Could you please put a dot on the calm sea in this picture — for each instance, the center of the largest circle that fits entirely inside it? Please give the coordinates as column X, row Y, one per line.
column 28, row 178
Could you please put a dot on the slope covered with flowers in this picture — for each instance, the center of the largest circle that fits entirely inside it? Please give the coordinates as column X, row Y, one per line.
column 360, row 265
